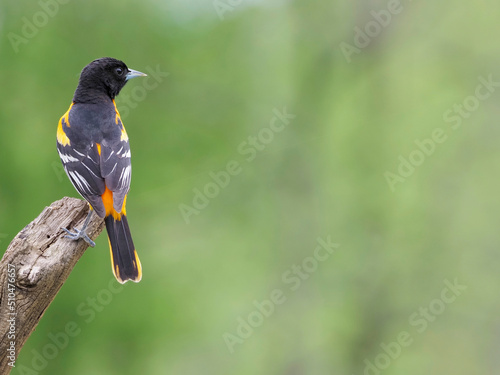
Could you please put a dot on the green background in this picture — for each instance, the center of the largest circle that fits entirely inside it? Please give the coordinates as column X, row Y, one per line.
column 357, row 116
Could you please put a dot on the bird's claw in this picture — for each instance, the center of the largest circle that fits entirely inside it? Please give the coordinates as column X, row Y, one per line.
column 77, row 234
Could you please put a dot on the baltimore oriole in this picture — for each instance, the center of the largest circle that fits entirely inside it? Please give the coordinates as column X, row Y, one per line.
column 94, row 149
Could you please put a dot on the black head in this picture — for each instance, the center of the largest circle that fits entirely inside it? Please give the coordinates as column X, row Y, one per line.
column 103, row 77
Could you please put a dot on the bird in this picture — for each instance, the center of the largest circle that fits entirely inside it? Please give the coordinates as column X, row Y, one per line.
column 94, row 149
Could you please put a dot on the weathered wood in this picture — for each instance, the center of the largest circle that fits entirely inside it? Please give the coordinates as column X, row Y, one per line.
column 34, row 267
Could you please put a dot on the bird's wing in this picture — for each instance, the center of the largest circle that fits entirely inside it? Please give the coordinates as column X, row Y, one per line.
column 84, row 171
column 116, row 170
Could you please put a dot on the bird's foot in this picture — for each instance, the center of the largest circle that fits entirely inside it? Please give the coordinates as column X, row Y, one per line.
column 77, row 234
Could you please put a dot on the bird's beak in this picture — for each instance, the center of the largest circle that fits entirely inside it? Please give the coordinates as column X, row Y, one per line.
column 134, row 73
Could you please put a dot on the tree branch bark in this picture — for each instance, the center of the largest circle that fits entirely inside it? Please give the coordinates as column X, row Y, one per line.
column 34, row 267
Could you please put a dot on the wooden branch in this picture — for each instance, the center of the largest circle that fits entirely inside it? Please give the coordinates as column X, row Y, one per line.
column 35, row 266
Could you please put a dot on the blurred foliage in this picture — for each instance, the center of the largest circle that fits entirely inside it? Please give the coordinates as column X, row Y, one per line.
column 323, row 175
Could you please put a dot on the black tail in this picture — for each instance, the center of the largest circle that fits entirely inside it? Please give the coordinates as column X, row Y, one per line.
column 124, row 260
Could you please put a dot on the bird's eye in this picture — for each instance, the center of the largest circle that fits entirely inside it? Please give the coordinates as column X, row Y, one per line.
column 119, row 71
